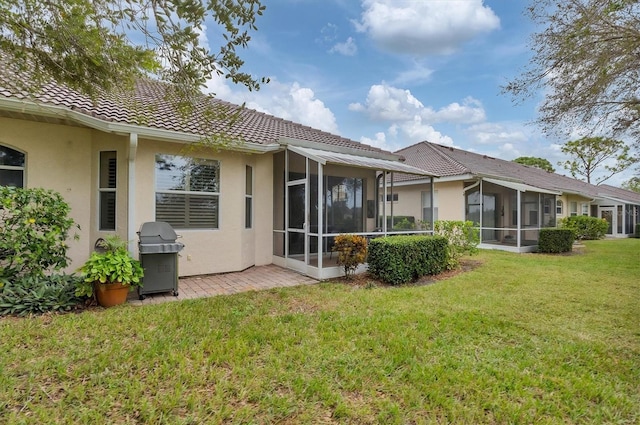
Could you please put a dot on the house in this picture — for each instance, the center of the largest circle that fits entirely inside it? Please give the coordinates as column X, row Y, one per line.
column 274, row 191
column 509, row 201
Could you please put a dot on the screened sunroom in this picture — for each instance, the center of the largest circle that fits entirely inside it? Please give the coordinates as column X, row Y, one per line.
column 509, row 215
column 320, row 194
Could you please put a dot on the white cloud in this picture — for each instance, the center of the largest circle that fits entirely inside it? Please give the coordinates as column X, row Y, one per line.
column 425, row 27
column 488, row 133
column 416, row 75
column 393, row 104
column 348, row 48
column 286, row 101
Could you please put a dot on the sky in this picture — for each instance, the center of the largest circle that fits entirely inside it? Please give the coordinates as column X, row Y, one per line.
column 392, row 73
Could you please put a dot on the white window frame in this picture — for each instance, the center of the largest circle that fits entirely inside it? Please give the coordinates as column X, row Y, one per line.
column 107, row 189
column 248, row 197
column 559, row 207
column 584, row 207
column 22, row 169
column 425, row 196
column 189, row 162
column 573, row 209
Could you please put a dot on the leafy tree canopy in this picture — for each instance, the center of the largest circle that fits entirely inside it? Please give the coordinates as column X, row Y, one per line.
column 632, row 184
column 592, row 154
column 532, row 161
column 586, row 58
column 103, row 45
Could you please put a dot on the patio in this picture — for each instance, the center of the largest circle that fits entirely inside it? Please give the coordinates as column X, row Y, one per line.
column 251, row 279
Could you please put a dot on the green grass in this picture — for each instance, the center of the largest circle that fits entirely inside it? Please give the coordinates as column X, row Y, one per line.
column 526, row 338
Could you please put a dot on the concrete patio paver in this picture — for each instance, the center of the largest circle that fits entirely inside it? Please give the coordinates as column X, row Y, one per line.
column 253, row 279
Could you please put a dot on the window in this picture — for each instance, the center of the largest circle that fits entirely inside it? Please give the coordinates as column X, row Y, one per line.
column 11, row 167
column 393, row 196
column 585, row 209
column 107, row 190
column 573, row 208
column 426, row 207
column 187, row 192
column 559, row 207
column 248, row 197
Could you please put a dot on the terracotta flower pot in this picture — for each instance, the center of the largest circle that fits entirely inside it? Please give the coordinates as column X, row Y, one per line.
column 110, row 294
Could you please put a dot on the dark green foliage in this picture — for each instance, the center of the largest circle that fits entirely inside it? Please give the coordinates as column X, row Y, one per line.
column 36, row 295
column 586, row 228
column 401, row 259
column 637, row 232
column 556, row 240
column 401, row 222
column 35, row 226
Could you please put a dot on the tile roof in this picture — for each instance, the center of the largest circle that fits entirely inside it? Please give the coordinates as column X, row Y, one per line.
column 147, row 106
column 448, row 161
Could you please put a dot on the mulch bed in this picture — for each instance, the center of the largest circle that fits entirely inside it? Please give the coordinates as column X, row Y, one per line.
column 367, row 280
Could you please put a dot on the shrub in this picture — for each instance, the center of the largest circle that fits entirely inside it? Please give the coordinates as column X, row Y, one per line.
column 463, row 239
column 35, row 226
column 404, row 224
column 352, row 251
column 400, row 222
column 586, row 228
column 37, row 295
column 401, row 259
column 556, row 240
column 637, row 232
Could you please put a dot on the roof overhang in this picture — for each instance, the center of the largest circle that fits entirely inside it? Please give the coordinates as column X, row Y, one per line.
column 53, row 111
column 329, row 157
column 521, row 187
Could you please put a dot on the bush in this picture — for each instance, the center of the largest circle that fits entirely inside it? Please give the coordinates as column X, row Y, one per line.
column 637, row 232
column 400, row 222
column 37, row 295
column 352, row 251
column 401, row 259
column 463, row 239
column 586, row 228
column 556, row 240
column 34, row 225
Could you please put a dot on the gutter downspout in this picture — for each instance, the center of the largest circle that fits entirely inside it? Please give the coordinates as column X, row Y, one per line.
column 131, row 189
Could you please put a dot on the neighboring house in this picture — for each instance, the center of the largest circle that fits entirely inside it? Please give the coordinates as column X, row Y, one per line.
column 509, row 202
column 278, row 192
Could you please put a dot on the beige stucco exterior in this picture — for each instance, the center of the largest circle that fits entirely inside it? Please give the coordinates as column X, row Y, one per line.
column 449, row 200
column 66, row 159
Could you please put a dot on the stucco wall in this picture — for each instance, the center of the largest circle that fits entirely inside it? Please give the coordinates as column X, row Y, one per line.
column 59, row 158
column 449, row 200
column 231, row 247
column 66, row 159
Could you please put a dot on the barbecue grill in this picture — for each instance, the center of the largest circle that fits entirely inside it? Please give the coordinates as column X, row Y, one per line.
column 158, row 251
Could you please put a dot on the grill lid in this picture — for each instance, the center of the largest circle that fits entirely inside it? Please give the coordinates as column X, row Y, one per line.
column 155, row 232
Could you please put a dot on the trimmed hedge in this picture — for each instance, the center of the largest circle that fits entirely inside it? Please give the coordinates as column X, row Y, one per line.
column 401, row 259
column 637, row 232
column 556, row 240
column 585, row 227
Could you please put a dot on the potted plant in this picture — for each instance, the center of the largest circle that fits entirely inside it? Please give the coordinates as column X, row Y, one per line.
column 110, row 273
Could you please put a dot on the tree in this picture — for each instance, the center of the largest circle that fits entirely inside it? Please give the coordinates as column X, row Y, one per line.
column 591, row 154
column 99, row 46
column 586, row 60
column 632, row 184
column 532, row 161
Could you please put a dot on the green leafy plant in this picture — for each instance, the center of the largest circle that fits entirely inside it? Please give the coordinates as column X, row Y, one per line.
column 586, row 228
column 36, row 295
column 352, row 251
column 556, row 240
column 403, row 258
column 463, row 239
column 114, row 264
column 35, row 226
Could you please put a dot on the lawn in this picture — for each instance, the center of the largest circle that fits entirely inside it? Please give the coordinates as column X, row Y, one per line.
column 523, row 338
